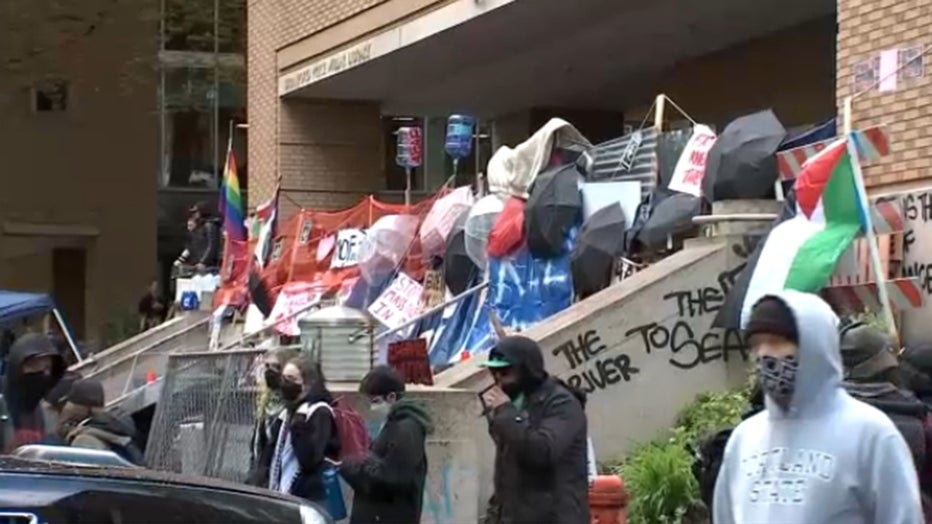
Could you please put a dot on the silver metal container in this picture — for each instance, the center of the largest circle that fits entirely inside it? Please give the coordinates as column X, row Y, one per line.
column 342, row 340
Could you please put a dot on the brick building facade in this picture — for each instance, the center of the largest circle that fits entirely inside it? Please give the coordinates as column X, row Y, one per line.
column 78, row 142
column 330, row 152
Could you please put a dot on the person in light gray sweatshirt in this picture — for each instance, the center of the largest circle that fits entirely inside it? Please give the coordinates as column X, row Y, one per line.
column 815, row 454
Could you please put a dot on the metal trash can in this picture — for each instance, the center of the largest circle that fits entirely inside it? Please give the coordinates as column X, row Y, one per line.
column 342, row 340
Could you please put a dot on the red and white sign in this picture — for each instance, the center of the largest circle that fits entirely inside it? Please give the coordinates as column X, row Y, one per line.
column 292, row 299
column 399, row 303
column 690, row 168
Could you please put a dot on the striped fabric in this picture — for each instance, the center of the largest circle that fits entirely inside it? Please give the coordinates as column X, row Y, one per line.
column 632, row 157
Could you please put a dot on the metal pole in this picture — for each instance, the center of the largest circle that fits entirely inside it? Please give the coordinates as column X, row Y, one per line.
column 407, row 186
column 216, row 125
column 67, row 333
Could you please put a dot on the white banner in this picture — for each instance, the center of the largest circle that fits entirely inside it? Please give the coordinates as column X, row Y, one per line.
column 399, row 303
column 294, row 297
column 346, row 250
column 690, row 168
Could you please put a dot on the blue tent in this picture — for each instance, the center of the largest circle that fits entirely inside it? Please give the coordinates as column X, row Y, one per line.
column 16, row 306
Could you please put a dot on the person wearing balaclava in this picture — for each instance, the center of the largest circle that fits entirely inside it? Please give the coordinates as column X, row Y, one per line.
column 815, row 454
column 270, row 407
column 538, row 425
column 388, row 482
column 34, row 367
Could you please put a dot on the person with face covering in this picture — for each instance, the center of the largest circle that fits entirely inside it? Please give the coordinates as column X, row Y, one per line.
column 308, row 435
column 538, row 425
column 815, row 454
column 268, row 423
column 388, row 483
column 34, row 367
column 84, row 423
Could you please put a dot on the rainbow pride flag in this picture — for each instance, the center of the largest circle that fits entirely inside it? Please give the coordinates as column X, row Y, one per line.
column 231, row 201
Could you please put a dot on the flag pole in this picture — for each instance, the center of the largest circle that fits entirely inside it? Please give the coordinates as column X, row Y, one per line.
column 869, row 235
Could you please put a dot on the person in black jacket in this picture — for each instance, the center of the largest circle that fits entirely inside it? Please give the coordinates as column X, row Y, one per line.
column 308, row 434
column 540, row 434
column 388, row 483
column 84, row 423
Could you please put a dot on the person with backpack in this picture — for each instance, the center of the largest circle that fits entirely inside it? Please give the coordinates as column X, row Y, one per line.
column 84, row 423
column 309, row 433
column 388, row 482
column 872, row 376
column 815, row 454
column 539, row 428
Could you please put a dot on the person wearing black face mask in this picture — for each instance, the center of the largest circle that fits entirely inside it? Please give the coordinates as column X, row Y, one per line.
column 538, row 424
column 271, row 405
column 308, row 434
column 34, row 367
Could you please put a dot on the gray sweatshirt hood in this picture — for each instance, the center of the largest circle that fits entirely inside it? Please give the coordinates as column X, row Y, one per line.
column 820, row 368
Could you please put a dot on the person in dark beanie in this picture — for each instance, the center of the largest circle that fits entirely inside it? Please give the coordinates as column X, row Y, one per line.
column 34, row 367
column 539, row 428
column 85, row 424
column 388, row 483
column 815, row 454
column 872, row 376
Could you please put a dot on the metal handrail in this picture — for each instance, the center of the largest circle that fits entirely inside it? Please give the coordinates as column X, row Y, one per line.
column 465, row 294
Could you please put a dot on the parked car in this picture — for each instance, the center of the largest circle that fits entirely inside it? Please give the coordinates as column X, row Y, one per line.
column 60, row 485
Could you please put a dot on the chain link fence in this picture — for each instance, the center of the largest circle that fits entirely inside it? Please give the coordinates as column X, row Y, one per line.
column 205, row 416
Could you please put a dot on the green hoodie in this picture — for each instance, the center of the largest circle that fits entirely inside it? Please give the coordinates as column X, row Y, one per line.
column 411, row 408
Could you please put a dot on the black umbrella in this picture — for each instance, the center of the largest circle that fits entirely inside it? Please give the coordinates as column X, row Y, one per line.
column 552, row 209
column 742, row 164
column 601, row 241
column 458, row 269
column 671, row 215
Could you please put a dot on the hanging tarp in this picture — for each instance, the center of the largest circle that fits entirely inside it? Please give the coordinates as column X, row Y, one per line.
column 15, row 305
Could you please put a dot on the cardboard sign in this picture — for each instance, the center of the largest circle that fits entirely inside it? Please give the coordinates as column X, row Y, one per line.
column 294, row 297
column 690, row 168
column 399, row 303
column 346, row 251
column 434, row 289
column 409, row 358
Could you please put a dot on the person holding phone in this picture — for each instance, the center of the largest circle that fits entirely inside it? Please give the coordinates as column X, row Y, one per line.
column 538, row 424
column 388, row 483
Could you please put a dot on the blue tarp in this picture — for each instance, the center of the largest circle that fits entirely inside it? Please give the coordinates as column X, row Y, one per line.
column 15, row 305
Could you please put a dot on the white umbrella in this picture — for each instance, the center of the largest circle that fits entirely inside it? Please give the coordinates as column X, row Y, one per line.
column 438, row 223
column 385, row 246
column 479, row 224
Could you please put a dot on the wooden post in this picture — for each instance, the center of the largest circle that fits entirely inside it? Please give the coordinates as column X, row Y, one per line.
column 873, row 250
column 658, row 111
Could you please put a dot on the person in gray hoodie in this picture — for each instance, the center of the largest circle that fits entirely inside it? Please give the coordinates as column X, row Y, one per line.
column 815, row 454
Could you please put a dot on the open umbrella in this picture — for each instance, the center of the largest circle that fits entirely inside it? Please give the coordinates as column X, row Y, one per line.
column 478, row 226
column 552, row 209
column 671, row 215
column 458, row 267
column 385, row 246
column 601, row 241
column 742, row 164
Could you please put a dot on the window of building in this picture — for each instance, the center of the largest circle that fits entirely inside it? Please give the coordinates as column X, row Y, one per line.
column 189, row 25
column 50, row 96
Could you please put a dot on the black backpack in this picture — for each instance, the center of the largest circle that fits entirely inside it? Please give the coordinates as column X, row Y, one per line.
column 907, row 412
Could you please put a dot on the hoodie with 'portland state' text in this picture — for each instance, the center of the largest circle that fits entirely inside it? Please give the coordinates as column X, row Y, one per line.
column 828, row 458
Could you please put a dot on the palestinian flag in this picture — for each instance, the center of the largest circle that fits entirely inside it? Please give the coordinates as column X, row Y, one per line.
column 817, row 226
column 267, row 216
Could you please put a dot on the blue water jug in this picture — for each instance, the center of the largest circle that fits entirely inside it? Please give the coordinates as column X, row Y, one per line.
column 189, row 301
column 334, row 492
column 460, row 130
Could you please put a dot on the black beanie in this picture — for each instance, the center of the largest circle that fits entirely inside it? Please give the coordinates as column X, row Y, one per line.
column 772, row 316
column 87, row 392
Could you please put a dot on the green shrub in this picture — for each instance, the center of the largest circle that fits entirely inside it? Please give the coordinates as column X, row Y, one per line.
column 659, row 480
column 708, row 414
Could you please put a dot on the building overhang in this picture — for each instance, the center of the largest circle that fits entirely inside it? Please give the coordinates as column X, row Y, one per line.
column 488, row 56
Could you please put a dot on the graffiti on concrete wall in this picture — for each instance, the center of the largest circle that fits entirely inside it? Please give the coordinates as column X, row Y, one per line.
column 917, row 258
column 683, row 333
column 438, row 497
column 601, row 371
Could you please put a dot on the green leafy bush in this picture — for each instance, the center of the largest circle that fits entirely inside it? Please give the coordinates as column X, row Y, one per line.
column 708, row 414
column 660, row 483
